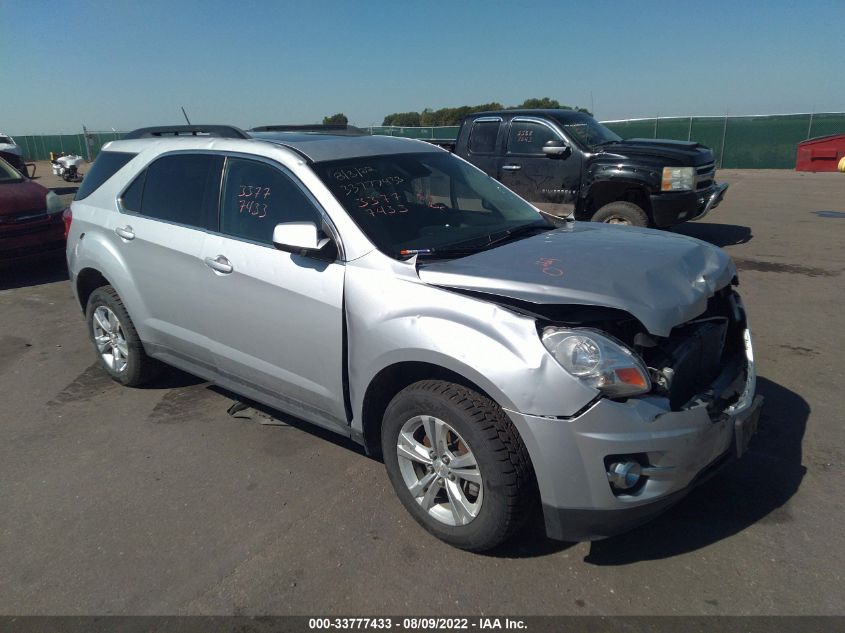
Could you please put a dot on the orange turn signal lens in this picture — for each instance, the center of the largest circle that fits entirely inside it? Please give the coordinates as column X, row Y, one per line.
column 631, row 376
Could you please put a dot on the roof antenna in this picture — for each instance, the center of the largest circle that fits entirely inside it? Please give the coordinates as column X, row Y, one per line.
column 185, row 115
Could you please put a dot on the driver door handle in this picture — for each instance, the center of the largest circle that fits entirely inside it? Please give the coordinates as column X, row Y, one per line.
column 511, row 167
column 220, row 264
column 125, row 232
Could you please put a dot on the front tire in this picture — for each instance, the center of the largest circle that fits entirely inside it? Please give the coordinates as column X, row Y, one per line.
column 621, row 212
column 119, row 349
column 457, row 464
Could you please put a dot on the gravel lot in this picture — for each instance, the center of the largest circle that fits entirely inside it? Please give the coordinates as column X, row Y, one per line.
column 156, row 501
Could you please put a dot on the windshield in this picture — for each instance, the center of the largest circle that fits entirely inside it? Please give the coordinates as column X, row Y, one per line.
column 590, row 132
column 9, row 173
column 425, row 202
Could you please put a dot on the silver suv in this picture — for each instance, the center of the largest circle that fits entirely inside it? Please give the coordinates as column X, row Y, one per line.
column 389, row 291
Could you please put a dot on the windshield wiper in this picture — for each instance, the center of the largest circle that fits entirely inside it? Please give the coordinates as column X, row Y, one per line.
column 463, row 251
column 510, row 234
column 438, row 252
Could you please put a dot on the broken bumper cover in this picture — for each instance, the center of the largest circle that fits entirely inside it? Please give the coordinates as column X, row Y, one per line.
column 669, row 209
column 677, row 450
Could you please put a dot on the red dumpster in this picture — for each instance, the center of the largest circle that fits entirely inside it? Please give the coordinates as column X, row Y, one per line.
column 820, row 154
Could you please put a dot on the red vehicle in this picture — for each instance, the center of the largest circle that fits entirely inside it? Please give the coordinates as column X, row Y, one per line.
column 32, row 222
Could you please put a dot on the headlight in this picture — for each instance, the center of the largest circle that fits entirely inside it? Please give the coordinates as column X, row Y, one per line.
column 678, row 179
column 54, row 203
column 599, row 360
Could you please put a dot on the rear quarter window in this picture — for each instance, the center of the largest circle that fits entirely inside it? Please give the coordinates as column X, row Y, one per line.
column 106, row 165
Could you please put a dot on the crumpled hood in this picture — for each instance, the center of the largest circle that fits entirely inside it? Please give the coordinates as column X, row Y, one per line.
column 661, row 278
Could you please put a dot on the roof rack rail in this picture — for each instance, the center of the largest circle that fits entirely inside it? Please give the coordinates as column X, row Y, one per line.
column 219, row 131
column 330, row 128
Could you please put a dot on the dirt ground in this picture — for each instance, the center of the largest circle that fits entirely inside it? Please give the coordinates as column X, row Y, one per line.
column 155, row 501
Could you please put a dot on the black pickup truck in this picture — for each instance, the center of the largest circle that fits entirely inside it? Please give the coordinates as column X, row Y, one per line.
column 565, row 161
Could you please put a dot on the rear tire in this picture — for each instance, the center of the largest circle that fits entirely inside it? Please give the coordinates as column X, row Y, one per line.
column 621, row 212
column 119, row 349
column 473, row 486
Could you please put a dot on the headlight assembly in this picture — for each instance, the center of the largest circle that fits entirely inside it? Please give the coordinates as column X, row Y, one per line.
column 678, row 179
column 54, row 203
column 599, row 360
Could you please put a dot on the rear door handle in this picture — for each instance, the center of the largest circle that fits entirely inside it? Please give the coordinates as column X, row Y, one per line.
column 511, row 167
column 125, row 232
column 220, row 264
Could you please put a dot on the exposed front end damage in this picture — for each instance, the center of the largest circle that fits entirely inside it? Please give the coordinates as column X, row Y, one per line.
column 699, row 414
column 603, row 464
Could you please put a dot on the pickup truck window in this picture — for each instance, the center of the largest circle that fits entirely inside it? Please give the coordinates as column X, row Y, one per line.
column 528, row 137
column 482, row 137
column 424, row 201
column 256, row 197
column 591, row 133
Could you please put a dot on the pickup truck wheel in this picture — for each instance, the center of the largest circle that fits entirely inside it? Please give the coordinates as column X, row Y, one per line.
column 119, row 349
column 457, row 464
column 621, row 212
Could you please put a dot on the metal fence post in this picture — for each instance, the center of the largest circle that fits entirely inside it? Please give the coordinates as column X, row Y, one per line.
column 722, row 150
column 655, row 125
column 810, row 127
column 689, row 131
column 87, row 145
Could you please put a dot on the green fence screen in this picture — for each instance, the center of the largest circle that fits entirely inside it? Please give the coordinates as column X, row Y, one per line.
column 39, row 146
column 762, row 142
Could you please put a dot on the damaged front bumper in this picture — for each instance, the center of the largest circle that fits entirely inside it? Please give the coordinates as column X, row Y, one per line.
column 669, row 209
column 676, row 451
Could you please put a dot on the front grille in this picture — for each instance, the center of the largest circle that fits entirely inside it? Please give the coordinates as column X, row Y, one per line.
column 686, row 363
column 705, row 176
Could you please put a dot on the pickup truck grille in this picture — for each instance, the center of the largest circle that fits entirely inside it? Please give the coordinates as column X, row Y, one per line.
column 705, row 176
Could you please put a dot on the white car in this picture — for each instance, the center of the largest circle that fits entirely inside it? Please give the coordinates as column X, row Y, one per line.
column 388, row 290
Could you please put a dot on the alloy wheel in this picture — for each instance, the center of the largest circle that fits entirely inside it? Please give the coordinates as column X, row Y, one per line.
column 110, row 339
column 440, row 470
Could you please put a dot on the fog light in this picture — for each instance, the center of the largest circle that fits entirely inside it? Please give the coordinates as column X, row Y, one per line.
column 624, row 475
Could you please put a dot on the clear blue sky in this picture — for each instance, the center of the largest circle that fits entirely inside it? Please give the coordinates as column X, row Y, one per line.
column 119, row 64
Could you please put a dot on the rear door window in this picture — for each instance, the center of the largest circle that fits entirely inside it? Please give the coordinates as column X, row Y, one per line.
column 182, row 188
column 106, row 165
column 257, row 197
column 482, row 137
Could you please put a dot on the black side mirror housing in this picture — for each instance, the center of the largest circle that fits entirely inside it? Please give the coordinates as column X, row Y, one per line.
column 555, row 148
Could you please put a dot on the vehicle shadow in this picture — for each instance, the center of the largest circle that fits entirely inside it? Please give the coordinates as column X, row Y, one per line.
column 49, row 270
column 172, row 378
column 257, row 412
column 754, row 489
column 718, row 234
column 751, row 490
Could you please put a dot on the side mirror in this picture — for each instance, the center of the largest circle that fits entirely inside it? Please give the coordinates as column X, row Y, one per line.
column 555, row 148
column 301, row 238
